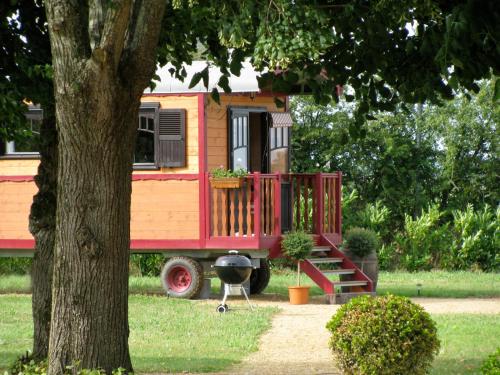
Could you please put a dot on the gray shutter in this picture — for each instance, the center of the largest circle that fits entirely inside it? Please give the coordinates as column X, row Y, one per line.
column 171, row 138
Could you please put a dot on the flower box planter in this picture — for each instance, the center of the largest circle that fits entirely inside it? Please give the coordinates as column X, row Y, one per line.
column 226, row 182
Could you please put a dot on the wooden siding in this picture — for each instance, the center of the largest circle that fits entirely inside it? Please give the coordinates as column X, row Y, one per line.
column 18, row 167
column 165, row 210
column 160, row 209
column 217, row 123
column 190, row 104
column 15, row 203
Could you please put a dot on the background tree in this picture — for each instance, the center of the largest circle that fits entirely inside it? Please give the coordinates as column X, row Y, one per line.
column 25, row 75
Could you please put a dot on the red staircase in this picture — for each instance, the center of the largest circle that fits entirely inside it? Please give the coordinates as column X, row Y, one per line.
column 324, row 266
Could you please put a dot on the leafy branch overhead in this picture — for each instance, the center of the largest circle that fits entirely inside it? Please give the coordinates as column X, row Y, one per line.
column 385, row 51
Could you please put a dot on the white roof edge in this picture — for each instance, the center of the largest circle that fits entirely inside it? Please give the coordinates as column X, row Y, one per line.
column 246, row 82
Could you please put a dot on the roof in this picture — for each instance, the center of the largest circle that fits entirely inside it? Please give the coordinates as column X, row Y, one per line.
column 246, row 82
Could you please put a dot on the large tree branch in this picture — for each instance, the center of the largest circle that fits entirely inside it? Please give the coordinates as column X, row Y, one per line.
column 108, row 23
column 139, row 56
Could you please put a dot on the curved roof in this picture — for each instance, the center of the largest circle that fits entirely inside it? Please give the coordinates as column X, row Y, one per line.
column 246, row 82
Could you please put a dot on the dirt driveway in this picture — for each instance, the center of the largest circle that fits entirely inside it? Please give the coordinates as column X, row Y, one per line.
column 297, row 342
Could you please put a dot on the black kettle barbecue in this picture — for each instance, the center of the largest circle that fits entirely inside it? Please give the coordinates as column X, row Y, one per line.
column 233, row 270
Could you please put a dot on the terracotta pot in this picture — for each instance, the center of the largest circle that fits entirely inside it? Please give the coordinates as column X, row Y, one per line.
column 299, row 295
column 226, row 182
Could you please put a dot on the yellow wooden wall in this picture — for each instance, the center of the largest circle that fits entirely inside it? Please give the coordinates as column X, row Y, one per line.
column 165, row 210
column 15, row 203
column 18, row 167
column 160, row 209
column 217, row 123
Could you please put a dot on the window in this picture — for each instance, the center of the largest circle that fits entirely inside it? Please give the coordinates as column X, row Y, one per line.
column 145, row 143
column 278, row 149
column 30, row 144
column 160, row 137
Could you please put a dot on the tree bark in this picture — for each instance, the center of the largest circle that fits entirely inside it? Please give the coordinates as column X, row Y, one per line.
column 103, row 58
column 42, row 225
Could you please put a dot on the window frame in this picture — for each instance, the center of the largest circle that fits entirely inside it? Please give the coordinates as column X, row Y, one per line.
column 34, row 113
column 148, row 108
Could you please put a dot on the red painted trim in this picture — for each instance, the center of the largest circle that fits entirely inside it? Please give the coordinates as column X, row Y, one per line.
column 320, row 211
column 338, row 208
column 317, row 276
column 17, row 244
column 165, row 176
column 233, row 243
column 135, row 177
column 277, row 206
column 202, row 168
column 159, row 94
column 164, row 244
column 208, row 212
column 256, row 203
column 16, row 178
column 273, row 243
column 347, row 263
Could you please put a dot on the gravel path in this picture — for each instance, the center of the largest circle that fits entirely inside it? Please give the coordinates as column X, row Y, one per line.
column 297, row 342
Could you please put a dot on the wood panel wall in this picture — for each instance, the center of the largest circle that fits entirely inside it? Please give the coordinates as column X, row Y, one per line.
column 216, row 116
column 165, row 210
column 160, row 209
column 15, row 203
column 18, row 167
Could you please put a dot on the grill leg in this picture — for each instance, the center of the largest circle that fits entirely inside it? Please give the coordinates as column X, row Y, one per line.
column 246, row 296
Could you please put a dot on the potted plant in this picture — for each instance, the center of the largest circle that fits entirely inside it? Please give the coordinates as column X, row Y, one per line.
column 221, row 178
column 298, row 246
column 360, row 246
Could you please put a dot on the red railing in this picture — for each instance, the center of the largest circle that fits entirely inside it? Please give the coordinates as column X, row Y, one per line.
column 316, row 202
column 255, row 209
column 249, row 211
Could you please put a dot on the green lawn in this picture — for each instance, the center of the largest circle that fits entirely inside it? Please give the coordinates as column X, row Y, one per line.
column 434, row 284
column 466, row 341
column 169, row 335
column 166, row 335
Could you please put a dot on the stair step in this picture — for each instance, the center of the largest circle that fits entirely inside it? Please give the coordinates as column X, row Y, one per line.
column 340, row 271
column 318, row 249
column 350, row 283
column 325, row 260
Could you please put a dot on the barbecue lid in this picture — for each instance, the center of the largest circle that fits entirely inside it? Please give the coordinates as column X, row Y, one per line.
column 233, row 260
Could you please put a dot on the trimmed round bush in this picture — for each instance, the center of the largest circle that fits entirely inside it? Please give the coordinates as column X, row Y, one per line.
column 297, row 245
column 491, row 366
column 383, row 335
column 360, row 241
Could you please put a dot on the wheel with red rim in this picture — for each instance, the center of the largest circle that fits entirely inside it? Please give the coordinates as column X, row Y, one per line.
column 182, row 277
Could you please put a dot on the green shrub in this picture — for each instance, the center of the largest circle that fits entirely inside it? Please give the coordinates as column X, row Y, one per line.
column 424, row 243
column 375, row 216
column 15, row 265
column 146, row 264
column 383, row 335
column 221, row 172
column 297, row 245
column 27, row 366
column 476, row 239
column 491, row 365
column 360, row 241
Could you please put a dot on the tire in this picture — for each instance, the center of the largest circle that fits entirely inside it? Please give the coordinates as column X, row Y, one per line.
column 260, row 277
column 182, row 277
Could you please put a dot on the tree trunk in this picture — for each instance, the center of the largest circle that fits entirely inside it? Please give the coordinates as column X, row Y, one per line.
column 42, row 226
column 90, row 286
column 103, row 57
